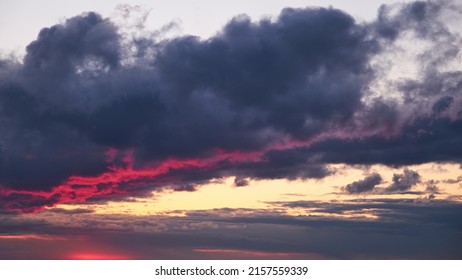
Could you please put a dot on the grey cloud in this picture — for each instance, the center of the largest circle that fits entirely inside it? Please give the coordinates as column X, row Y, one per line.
column 240, row 182
column 71, row 211
column 442, row 104
column 403, row 182
column 453, row 181
column 365, row 185
column 191, row 98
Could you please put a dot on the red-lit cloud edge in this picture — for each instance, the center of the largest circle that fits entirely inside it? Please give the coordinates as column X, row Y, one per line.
column 125, row 179
column 78, row 189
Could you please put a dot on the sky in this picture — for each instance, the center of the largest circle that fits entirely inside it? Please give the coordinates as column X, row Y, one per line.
column 232, row 130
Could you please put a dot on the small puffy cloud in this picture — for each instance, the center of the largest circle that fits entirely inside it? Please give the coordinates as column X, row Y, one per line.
column 403, row 182
column 432, row 188
column 365, row 185
column 240, row 182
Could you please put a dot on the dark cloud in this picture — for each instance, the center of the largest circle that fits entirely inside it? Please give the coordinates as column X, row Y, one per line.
column 403, row 182
column 85, row 45
column 90, row 114
column 365, row 185
column 71, row 211
column 453, row 181
column 422, row 212
column 432, row 188
column 240, row 182
column 420, row 16
column 424, row 140
column 186, row 188
column 442, row 104
column 288, row 164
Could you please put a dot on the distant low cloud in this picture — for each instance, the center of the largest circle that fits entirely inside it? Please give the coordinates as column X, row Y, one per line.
column 400, row 229
column 432, row 187
column 240, row 182
column 186, row 188
column 403, row 182
column 453, row 181
column 365, row 185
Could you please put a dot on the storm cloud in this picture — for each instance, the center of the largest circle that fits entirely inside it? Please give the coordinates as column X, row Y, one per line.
column 88, row 114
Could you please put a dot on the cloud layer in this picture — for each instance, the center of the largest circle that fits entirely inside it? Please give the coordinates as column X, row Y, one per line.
column 92, row 113
column 399, row 229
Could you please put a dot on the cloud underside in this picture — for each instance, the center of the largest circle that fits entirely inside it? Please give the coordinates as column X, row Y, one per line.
column 92, row 112
column 400, row 229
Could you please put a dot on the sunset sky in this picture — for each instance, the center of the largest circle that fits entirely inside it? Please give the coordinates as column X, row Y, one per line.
column 230, row 130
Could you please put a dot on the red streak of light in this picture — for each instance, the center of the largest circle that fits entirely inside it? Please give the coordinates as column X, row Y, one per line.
column 97, row 256
column 80, row 189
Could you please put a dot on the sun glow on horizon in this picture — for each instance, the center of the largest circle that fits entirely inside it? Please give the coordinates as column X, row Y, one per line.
column 256, row 195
